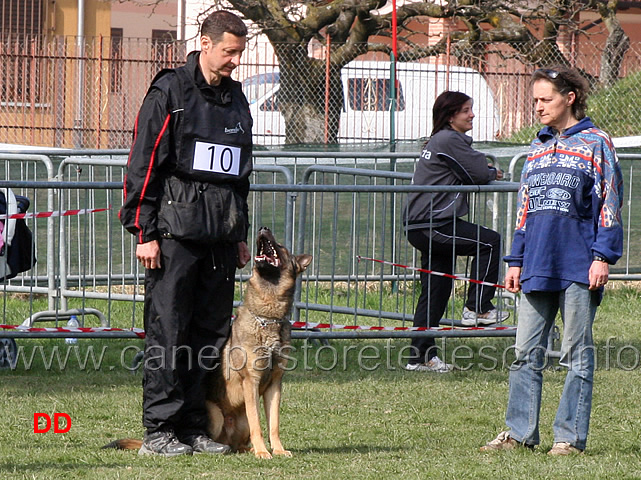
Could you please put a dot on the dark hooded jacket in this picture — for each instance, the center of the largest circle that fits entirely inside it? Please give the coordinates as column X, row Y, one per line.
column 447, row 159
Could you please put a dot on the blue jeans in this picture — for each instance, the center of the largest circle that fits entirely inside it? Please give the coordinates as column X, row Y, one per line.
column 536, row 318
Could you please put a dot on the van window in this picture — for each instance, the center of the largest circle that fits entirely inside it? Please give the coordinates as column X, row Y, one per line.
column 256, row 86
column 373, row 94
column 271, row 104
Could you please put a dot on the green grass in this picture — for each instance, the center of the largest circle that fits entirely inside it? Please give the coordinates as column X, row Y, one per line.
column 348, row 421
column 612, row 109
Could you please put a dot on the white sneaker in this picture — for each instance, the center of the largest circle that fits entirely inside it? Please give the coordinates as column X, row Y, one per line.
column 564, row 448
column 504, row 442
column 434, row 365
column 471, row 319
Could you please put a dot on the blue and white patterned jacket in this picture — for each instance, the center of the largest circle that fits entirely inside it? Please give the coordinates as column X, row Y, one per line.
column 569, row 208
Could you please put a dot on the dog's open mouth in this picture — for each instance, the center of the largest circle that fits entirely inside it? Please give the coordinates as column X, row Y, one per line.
column 267, row 253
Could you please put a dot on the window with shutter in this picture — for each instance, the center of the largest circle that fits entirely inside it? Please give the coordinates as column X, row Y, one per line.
column 20, row 17
column 116, row 60
column 21, row 74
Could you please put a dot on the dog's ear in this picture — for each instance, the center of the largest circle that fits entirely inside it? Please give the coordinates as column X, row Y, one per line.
column 303, row 261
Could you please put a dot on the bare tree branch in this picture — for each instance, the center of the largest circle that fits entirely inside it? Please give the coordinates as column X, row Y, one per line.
column 526, row 30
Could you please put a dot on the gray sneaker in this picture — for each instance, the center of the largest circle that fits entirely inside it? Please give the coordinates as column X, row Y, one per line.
column 204, row 444
column 471, row 319
column 163, row 443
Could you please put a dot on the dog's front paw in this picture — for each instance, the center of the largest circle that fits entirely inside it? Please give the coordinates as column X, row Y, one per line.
column 262, row 454
column 283, row 453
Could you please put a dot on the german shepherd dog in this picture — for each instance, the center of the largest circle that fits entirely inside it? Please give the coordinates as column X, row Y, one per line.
column 254, row 357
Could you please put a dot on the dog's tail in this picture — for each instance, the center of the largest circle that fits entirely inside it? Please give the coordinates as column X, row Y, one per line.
column 125, row 444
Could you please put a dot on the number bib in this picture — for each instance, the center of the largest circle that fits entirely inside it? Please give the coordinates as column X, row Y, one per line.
column 216, row 158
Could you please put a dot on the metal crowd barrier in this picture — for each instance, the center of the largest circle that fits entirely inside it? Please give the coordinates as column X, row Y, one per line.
column 88, row 279
column 341, row 208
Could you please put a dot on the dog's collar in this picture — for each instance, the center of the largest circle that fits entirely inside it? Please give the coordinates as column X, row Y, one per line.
column 264, row 321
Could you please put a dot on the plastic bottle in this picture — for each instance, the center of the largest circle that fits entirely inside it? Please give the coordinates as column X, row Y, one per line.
column 73, row 322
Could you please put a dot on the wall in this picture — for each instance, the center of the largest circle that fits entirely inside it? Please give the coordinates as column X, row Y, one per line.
column 65, row 17
column 139, row 20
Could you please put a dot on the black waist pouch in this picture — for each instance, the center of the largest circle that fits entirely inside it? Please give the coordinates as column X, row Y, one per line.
column 204, row 213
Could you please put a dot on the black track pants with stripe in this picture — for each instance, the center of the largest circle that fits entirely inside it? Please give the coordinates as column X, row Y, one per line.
column 439, row 248
column 188, row 307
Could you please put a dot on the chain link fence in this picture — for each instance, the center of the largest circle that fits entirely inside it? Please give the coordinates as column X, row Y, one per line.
column 55, row 92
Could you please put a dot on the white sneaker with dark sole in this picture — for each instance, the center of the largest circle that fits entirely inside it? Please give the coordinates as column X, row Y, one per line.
column 435, row 365
column 472, row 319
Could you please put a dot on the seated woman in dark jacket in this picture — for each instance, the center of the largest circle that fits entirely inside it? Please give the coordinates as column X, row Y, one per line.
column 433, row 225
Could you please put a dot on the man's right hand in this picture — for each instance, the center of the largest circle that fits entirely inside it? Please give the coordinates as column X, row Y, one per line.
column 513, row 279
column 149, row 254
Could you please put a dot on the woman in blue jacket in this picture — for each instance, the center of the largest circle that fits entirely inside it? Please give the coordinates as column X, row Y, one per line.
column 434, row 226
column 567, row 235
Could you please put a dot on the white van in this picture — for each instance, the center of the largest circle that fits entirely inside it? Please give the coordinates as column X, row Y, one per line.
column 366, row 112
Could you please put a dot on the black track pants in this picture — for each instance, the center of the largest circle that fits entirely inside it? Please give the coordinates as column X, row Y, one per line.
column 188, row 307
column 439, row 248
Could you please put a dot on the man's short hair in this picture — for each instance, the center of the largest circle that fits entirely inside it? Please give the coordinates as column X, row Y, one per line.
column 221, row 22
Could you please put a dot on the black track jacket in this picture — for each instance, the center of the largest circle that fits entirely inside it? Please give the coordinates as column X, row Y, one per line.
column 189, row 138
column 462, row 165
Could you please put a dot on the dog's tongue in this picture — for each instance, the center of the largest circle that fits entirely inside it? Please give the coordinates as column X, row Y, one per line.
column 264, row 258
column 267, row 253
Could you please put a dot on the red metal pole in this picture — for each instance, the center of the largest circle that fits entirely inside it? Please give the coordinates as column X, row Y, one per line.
column 328, row 44
column 394, row 25
column 99, row 90
column 394, row 92
column 447, row 60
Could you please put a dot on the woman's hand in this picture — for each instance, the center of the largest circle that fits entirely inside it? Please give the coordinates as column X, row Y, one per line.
column 513, row 279
column 499, row 172
column 598, row 274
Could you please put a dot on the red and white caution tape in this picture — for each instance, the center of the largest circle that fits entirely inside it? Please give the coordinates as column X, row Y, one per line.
column 20, row 328
column 309, row 325
column 431, row 272
column 299, row 325
column 59, row 213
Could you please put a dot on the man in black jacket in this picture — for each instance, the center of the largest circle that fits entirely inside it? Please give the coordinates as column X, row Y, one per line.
column 185, row 200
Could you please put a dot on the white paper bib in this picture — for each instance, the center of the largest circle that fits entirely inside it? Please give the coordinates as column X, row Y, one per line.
column 216, row 158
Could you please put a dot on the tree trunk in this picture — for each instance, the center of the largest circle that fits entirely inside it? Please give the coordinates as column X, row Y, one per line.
column 616, row 45
column 302, row 97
